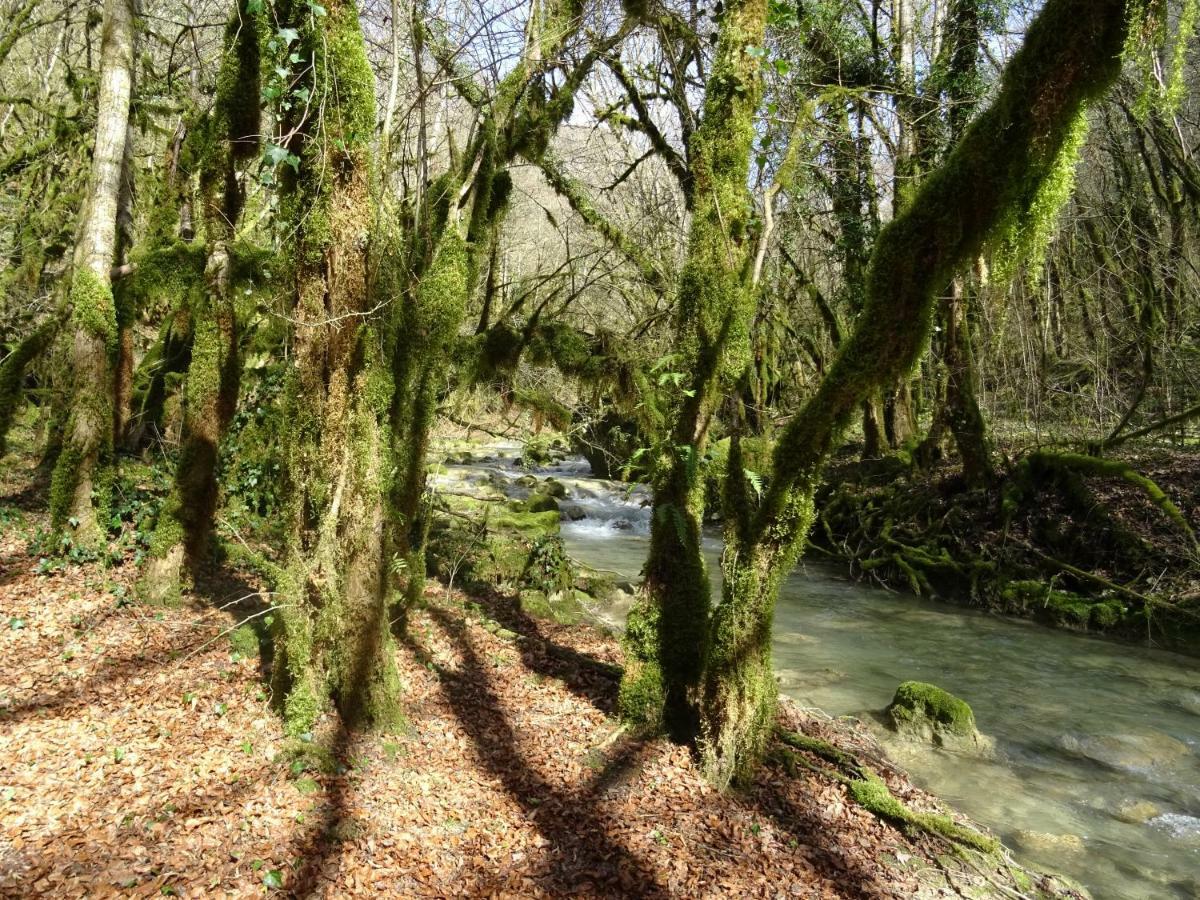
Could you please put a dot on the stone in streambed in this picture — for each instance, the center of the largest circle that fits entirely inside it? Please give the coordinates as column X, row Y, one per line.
column 1040, row 842
column 1135, row 812
column 541, row 503
column 552, row 487
column 1126, row 751
column 927, row 713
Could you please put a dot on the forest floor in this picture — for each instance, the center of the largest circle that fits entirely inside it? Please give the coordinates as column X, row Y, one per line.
column 140, row 756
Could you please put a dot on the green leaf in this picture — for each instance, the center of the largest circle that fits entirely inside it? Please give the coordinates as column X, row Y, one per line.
column 254, row 6
column 755, row 482
column 273, row 879
column 275, row 154
column 16, row 624
column 288, row 35
column 782, row 66
column 317, row 9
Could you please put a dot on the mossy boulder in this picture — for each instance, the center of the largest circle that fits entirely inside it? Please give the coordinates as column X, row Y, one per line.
column 552, row 487
column 927, row 713
column 566, row 607
column 540, row 503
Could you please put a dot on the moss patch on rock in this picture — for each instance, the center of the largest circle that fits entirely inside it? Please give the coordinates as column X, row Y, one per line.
column 928, row 713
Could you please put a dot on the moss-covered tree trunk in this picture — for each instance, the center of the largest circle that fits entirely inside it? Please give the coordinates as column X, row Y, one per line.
column 210, row 392
column 333, row 643
column 665, row 641
column 12, row 372
column 79, row 490
column 1071, row 54
column 450, row 251
column 963, row 415
column 957, row 405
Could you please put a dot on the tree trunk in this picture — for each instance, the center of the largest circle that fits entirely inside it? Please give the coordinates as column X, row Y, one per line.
column 666, row 638
column 963, row 415
column 333, row 642
column 12, row 372
column 995, row 171
column 80, row 488
column 210, row 391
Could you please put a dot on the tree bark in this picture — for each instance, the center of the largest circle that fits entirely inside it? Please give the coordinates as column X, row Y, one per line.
column 667, row 634
column 182, row 533
column 333, row 643
column 79, row 491
column 1072, row 52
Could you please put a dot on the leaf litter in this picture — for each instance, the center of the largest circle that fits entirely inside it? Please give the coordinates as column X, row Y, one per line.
column 140, row 757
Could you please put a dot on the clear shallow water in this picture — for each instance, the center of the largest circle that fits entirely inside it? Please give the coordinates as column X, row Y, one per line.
column 1086, row 731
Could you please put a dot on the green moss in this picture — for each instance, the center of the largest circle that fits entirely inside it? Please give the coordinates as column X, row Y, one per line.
column 1064, row 608
column 642, row 693
column 1026, row 234
column 244, row 641
column 540, row 503
column 308, row 755
column 916, row 701
column 12, row 373
column 93, row 309
column 531, row 525
column 872, row 794
column 165, row 277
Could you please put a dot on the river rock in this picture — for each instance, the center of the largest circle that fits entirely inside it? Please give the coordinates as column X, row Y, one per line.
column 574, row 512
column 1135, row 812
column 552, row 487
column 541, row 503
column 527, row 481
column 927, row 713
column 1126, row 751
column 1189, row 701
column 1043, row 842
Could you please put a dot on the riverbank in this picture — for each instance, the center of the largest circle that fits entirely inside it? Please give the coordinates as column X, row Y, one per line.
column 1103, row 546
column 140, row 755
column 1092, row 772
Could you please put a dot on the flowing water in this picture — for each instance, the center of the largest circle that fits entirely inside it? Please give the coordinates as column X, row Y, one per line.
column 1096, row 771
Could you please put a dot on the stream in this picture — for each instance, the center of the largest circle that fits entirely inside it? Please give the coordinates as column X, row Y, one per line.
column 1096, row 772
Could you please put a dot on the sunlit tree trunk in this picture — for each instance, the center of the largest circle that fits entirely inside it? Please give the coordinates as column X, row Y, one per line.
column 210, row 391
column 80, row 487
column 667, row 631
column 333, row 642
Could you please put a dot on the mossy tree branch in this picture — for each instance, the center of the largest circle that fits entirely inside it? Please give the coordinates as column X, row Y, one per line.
column 997, row 171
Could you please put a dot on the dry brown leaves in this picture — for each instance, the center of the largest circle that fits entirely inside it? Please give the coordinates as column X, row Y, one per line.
column 133, row 763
